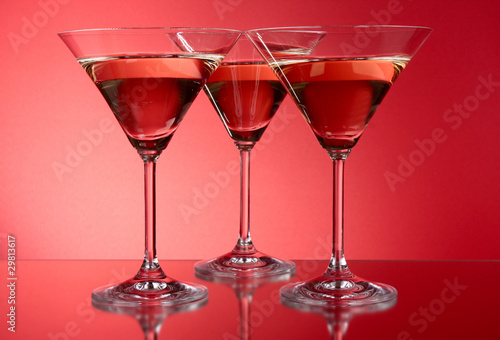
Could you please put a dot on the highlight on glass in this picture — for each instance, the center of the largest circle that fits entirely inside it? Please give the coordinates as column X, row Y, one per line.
column 246, row 94
column 149, row 77
column 338, row 83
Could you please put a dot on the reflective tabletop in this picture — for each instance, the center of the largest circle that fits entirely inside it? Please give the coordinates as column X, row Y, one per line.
column 436, row 300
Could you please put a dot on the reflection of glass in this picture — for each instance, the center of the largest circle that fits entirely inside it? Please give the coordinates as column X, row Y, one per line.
column 338, row 317
column 338, row 75
column 244, row 289
column 246, row 94
column 149, row 82
column 151, row 319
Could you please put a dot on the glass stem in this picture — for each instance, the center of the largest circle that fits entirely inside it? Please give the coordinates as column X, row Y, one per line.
column 244, row 244
column 150, row 267
column 150, row 334
column 337, row 329
column 338, row 264
column 151, row 328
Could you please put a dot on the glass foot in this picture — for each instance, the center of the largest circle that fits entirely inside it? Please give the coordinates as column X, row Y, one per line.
column 331, row 291
column 149, row 293
column 241, row 265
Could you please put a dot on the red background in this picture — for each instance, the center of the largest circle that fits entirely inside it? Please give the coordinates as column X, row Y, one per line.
column 445, row 208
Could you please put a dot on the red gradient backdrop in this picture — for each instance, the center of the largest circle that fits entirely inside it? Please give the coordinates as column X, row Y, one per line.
column 71, row 185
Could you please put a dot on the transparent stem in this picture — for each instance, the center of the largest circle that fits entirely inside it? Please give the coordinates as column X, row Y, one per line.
column 150, row 334
column 150, row 267
column 337, row 330
column 151, row 326
column 244, row 244
column 338, row 265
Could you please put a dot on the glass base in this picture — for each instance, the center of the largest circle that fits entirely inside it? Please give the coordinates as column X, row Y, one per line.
column 326, row 290
column 149, row 293
column 244, row 265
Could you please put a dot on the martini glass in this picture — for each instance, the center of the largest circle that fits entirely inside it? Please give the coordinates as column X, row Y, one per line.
column 149, row 77
column 338, row 76
column 246, row 94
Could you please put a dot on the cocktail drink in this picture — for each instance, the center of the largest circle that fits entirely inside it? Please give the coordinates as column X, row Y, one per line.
column 149, row 95
column 338, row 76
column 149, row 77
column 339, row 97
column 246, row 96
column 246, row 93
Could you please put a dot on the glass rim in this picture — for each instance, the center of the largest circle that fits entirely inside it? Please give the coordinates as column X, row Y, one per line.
column 316, row 27
column 132, row 29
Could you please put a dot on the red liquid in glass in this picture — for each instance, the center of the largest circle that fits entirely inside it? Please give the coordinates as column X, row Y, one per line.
column 246, row 97
column 149, row 95
column 339, row 97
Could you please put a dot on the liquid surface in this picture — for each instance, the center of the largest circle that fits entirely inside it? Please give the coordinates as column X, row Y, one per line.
column 246, row 97
column 339, row 97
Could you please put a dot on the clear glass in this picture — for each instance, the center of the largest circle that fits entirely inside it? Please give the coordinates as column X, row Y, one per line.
column 246, row 94
column 338, row 76
column 149, row 77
